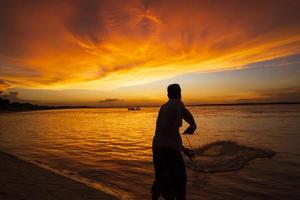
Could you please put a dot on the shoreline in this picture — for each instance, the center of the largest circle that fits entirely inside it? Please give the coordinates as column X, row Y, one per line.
column 21, row 179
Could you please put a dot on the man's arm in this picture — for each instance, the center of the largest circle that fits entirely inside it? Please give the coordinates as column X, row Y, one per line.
column 188, row 117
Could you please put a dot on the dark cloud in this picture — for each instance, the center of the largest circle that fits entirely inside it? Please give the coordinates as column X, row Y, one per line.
column 275, row 95
column 25, row 24
column 286, row 94
column 108, row 100
column 13, row 97
column 86, row 22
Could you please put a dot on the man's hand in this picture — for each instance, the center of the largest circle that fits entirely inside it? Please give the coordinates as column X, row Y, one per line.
column 190, row 130
column 188, row 152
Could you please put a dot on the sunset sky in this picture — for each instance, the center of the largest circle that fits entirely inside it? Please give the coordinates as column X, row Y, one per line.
column 126, row 52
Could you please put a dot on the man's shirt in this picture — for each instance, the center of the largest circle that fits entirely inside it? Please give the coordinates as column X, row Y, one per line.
column 168, row 122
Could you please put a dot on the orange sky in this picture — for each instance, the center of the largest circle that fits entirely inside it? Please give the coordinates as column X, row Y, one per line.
column 107, row 45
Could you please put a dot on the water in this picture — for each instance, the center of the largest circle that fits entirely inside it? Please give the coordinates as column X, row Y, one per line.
column 112, row 148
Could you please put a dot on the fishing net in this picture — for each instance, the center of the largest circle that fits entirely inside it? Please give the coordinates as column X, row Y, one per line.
column 224, row 156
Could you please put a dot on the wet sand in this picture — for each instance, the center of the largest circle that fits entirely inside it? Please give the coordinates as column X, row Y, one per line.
column 23, row 180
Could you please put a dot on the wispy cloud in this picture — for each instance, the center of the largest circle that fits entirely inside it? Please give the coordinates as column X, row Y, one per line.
column 3, row 86
column 55, row 43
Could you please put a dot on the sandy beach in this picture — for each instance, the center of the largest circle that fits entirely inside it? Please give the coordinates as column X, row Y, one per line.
column 26, row 181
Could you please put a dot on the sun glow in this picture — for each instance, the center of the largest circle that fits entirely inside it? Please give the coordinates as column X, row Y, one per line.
column 110, row 44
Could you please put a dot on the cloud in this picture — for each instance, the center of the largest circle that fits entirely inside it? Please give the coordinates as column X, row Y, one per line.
column 291, row 94
column 286, row 94
column 108, row 100
column 85, row 22
column 13, row 97
column 3, row 86
column 54, row 43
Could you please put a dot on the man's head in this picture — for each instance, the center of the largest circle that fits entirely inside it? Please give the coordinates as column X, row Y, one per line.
column 174, row 91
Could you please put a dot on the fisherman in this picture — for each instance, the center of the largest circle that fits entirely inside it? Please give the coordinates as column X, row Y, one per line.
column 170, row 174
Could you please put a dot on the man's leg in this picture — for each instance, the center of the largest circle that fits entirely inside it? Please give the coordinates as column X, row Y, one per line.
column 155, row 191
column 157, row 162
column 180, row 178
column 170, row 176
column 173, row 177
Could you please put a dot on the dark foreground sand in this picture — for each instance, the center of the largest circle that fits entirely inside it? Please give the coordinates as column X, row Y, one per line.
column 21, row 180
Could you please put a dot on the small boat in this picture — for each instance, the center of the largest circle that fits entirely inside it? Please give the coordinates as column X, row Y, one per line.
column 134, row 108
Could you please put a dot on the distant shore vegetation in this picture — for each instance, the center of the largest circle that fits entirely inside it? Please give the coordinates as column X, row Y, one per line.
column 7, row 106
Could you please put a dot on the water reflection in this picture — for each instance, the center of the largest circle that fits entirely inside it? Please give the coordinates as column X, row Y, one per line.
column 113, row 146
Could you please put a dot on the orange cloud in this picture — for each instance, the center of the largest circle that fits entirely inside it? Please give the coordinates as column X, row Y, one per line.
column 3, row 86
column 91, row 44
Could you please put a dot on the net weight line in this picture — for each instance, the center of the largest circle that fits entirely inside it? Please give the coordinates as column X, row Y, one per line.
column 188, row 141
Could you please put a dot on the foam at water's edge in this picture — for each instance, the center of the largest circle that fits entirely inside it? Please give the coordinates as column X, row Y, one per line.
column 223, row 156
column 98, row 186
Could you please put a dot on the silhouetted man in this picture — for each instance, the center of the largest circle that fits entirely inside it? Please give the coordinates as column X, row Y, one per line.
column 170, row 174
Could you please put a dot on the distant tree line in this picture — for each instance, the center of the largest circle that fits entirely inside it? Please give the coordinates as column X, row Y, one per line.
column 6, row 105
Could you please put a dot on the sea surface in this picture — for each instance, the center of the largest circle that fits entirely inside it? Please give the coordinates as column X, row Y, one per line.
column 111, row 148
